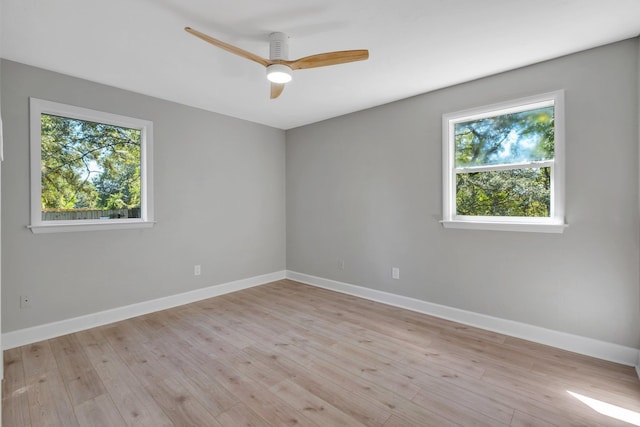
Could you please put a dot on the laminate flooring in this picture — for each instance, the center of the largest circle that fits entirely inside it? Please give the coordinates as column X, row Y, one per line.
column 288, row 354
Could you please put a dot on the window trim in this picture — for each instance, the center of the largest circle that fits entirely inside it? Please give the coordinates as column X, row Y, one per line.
column 37, row 107
column 555, row 223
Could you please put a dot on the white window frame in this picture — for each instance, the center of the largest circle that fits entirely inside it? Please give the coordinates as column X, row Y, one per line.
column 555, row 222
column 37, row 107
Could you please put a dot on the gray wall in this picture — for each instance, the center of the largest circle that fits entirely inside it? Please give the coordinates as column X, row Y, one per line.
column 219, row 202
column 366, row 188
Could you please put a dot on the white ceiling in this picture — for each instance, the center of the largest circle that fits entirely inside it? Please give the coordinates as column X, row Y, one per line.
column 415, row 46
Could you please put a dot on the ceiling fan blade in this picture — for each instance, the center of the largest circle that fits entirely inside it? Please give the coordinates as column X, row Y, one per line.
column 276, row 89
column 229, row 48
column 329, row 58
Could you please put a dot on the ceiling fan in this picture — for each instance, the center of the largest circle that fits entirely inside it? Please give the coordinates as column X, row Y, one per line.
column 279, row 67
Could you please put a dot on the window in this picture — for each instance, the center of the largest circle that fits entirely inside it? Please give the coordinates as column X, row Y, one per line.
column 503, row 166
column 89, row 170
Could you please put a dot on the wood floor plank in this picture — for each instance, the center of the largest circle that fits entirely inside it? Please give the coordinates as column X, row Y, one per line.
column 520, row 419
column 313, row 407
column 15, row 401
column 546, row 393
column 78, row 374
column 241, row 416
column 258, row 369
column 161, row 380
column 484, row 404
column 425, row 357
column 269, row 406
column 332, row 373
column 454, row 411
column 37, row 359
column 197, row 375
column 288, row 354
column 49, row 401
column 183, row 408
column 397, row 421
column 596, row 384
column 99, row 412
column 566, row 358
column 365, row 410
column 408, row 413
column 194, row 329
column 135, row 405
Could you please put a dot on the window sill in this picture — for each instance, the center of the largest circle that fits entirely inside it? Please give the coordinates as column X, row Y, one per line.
column 88, row 226
column 506, row 226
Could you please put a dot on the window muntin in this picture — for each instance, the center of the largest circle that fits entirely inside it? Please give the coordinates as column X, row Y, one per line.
column 89, row 170
column 503, row 164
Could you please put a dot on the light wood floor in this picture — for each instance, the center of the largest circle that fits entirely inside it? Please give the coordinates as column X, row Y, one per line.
column 291, row 354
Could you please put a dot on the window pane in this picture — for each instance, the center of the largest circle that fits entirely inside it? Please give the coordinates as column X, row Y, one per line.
column 510, row 138
column 516, row 192
column 89, row 170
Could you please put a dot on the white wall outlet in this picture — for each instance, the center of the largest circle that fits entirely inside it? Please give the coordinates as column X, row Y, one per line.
column 395, row 273
column 196, row 270
column 25, row 301
column 341, row 264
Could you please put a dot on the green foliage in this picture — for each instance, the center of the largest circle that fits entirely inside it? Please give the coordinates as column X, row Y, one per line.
column 87, row 165
column 506, row 139
column 516, row 192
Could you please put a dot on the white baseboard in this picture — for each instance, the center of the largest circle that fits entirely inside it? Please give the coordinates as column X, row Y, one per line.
column 575, row 343
column 55, row 329
column 578, row 344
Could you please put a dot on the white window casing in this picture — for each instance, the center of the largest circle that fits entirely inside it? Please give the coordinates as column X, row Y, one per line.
column 555, row 223
column 38, row 107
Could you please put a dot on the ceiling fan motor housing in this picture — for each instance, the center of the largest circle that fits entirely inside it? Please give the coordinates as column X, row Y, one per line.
column 279, row 49
column 278, row 46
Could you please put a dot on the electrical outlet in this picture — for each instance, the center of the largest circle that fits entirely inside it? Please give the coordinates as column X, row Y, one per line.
column 395, row 273
column 341, row 264
column 25, row 302
column 196, row 270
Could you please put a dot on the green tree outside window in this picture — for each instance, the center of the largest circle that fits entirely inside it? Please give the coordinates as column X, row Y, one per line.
column 495, row 162
column 89, row 166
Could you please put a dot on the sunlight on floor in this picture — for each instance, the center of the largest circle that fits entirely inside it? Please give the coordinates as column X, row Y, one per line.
column 608, row 409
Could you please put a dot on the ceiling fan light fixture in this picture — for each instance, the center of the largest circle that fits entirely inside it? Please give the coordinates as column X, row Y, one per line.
column 279, row 73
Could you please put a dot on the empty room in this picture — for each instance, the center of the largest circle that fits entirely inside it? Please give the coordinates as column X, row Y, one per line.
column 320, row 213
